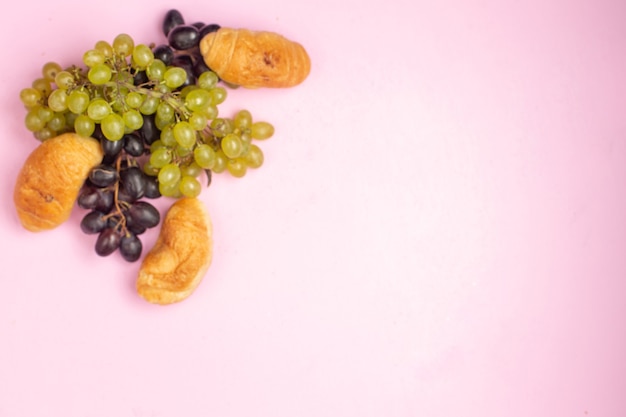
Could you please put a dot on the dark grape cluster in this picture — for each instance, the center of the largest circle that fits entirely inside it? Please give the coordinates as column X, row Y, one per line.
column 114, row 193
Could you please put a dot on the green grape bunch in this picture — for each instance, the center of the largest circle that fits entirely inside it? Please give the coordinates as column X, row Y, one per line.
column 155, row 111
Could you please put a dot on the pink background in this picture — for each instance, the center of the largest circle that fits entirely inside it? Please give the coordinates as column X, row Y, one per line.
column 439, row 229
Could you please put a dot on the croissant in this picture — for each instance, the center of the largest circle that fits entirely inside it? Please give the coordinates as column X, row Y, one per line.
column 50, row 179
column 255, row 59
column 182, row 254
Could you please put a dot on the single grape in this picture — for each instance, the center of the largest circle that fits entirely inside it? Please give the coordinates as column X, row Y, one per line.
column 175, row 77
column 207, row 80
column 133, row 144
column 103, row 176
column 30, row 97
column 50, row 70
column 123, row 44
column 93, row 222
column 93, row 57
column 218, row 94
column 242, row 120
column 64, row 79
column 221, row 127
column 140, row 78
column 236, row 167
column 167, row 136
column 198, row 99
column 200, row 67
column 134, row 99
column 45, row 113
column 160, row 157
column 164, row 113
column 254, row 157
column 172, row 19
column 130, row 247
column 183, row 37
column 184, row 134
column 105, row 48
column 210, row 28
column 148, row 130
column 57, row 100
column 152, row 187
column 84, row 126
column 108, row 241
column 133, row 119
column 189, row 186
column 145, row 214
column 142, row 56
column 99, row 74
column 57, row 123
column 170, row 190
column 33, row 121
column 231, row 145
column 198, row 121
column 43, row 86
column 164, row 53
column 111, row 148
column 169, row 174
column 133, row 182
column 78, row 101
column 192, row 170
column 204, row 156
column 98, row 109
column 156, row 70
column 45, row 134
column 149, row 105
column 261, row 130
column 113, row 126
column 219, row 165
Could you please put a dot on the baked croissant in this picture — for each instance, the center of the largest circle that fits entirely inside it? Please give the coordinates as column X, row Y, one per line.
column 50, row 179
column 255, row 59
column 177, row 263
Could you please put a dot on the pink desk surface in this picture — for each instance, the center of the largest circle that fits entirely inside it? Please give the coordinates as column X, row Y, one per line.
column 439, row 229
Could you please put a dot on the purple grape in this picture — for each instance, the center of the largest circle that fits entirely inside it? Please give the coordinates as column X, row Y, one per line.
column 184, row 37
column 130, row 247
column 172, row 19
column 108, row 241
column 93, row 222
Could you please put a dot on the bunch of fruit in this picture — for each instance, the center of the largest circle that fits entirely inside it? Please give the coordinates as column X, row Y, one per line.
column 153, row 110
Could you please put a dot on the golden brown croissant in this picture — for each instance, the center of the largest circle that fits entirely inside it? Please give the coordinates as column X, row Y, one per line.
column 49, row 182
column 255, row 59
column 176, row 264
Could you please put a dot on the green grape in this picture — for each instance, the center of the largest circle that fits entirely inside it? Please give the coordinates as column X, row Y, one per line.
column 142, row 56
column 78, row 101
column 211, row 112
column 113, row 127
column 45, row 113
column 184, row 134
column 167, row 136
column 32, row 120
column 149, row 105
column 123, row 45
column 57, row 100
column 134, row 99
column 149, row 169
column 261, row 130
column 242, row 120
column 84, row 126
column 174, row 77
column 45, row 134
column 207, row 80
column 98, row 109
column 198, row 121
column 219, row 165
column 133, row 119
column 169, row 174
column 42, row 85
column 50, row 70
column 30, row 97
column 160, row 157
column 105, row 48
column 93, row 57
column 193, row 170
column 99, row 74
column 70, row 118
column 190, row 186
column 231, row 145
column 157, row 144
column 170, row 190
column 57, row 123
column 254, row 157
column 198, row 99
column 165, row 112
column 236, row 167
column 156, row 70
column 218, row 94
column 204, row 156
column 64, row 79
column 182, row 152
